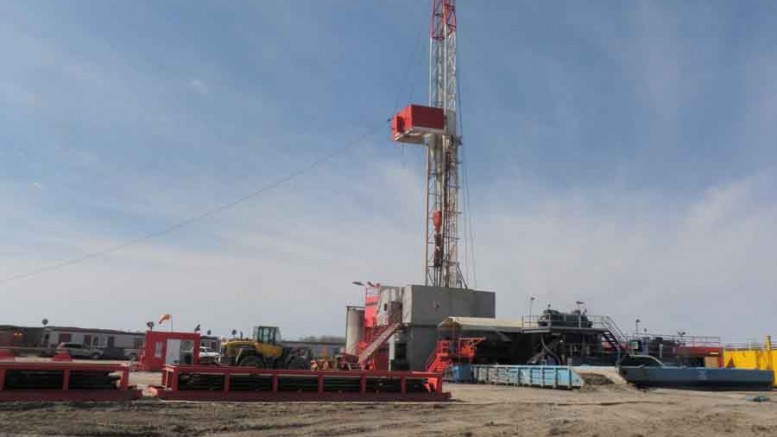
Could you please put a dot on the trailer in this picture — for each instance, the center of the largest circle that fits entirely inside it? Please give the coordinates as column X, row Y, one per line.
column 215, row 383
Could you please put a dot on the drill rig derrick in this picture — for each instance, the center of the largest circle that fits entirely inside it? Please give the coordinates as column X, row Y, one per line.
column 435, row 126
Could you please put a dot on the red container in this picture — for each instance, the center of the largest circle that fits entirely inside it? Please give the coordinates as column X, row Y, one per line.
column 414, row 121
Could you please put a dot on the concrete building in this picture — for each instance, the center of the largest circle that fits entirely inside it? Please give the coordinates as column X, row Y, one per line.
column 423, row 308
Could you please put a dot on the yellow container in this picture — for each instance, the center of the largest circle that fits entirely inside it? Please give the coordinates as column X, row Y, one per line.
column 752, row 357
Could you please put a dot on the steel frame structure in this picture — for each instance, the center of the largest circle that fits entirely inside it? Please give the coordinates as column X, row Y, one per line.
column 442, row 154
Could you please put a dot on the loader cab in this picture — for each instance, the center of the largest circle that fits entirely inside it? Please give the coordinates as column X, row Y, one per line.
column 267, row 334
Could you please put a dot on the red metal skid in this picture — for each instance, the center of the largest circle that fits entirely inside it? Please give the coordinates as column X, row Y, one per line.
column 122, row 392
column 170, row 390
column 70, row 395
column 269, row 396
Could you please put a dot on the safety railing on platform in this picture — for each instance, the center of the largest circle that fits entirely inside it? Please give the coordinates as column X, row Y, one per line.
column 689, row 341
column 610, row 325
column 570, row 320
column 747, row 346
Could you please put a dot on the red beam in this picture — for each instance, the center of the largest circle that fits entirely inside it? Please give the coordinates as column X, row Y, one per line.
column 69, row 395
column 268, row 396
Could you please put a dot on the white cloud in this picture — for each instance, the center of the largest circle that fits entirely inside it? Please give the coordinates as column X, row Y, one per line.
column 199, row 86
column 15, row 94
column 704, row 267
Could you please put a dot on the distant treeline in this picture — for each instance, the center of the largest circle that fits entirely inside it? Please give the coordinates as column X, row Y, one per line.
column 323, row 339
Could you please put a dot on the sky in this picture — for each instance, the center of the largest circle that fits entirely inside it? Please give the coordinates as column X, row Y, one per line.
column 617, row 153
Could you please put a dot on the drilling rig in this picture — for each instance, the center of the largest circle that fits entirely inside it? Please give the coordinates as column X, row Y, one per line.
column 435, row 127
column 397, row 327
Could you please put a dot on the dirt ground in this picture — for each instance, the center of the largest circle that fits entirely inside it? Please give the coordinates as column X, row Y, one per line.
column 476, row 410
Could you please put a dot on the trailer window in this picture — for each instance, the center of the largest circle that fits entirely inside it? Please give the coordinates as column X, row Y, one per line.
column 158, row 350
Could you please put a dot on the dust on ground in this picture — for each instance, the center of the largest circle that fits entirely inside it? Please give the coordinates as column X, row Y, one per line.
column 476, row 410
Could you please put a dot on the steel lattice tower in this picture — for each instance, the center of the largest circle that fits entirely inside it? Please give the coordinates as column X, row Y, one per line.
column 442, row 157
column 435, row 127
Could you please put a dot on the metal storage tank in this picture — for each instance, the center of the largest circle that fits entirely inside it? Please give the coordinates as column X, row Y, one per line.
column 354, row 328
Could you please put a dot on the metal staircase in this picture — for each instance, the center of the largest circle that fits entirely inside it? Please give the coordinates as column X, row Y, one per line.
column 388, row 323
column 439, row 359
column 439, row 367
column 613, row 335
column 378, row 341
column 448, row 352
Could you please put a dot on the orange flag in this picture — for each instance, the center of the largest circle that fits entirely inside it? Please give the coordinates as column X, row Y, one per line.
column 164, row 317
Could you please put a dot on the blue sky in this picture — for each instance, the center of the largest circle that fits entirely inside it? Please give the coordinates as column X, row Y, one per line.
column 619, row 153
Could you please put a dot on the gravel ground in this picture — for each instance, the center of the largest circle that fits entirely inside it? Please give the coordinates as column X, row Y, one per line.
column 475, row 411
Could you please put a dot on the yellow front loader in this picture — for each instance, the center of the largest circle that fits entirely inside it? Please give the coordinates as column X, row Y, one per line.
column 264, row 351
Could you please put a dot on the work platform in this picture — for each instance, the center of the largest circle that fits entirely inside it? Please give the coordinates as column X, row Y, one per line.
column 214, row 383
column 65, row 381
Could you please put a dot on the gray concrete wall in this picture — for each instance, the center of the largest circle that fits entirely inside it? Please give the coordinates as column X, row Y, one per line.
column 428, row 306
column 421, row 341
column 423, row 308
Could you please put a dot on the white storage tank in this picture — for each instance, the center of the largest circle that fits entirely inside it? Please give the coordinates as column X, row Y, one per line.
column 354, row 328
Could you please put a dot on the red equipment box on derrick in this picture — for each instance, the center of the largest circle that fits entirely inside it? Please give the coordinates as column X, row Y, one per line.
column 411, row 124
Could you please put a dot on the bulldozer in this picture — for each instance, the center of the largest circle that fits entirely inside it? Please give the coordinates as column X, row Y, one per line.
column 264, row 351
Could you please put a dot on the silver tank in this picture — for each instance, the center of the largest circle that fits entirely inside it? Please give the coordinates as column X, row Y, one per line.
column 354, row 328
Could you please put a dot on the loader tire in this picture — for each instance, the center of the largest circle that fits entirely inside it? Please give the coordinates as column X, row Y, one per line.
column 298, row 363
column 251, row 361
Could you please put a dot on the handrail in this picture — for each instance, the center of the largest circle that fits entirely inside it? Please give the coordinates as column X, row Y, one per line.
column 378, row 341
column 439, row 347
column 684, row 340
column 611, row 326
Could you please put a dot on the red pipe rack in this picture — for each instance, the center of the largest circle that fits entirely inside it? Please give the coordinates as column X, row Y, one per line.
column 171, row 389
column 122, row 392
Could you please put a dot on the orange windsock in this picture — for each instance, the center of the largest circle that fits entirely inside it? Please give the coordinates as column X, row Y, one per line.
column 164, row 317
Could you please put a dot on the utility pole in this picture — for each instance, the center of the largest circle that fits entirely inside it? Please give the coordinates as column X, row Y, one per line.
column 436, row 127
